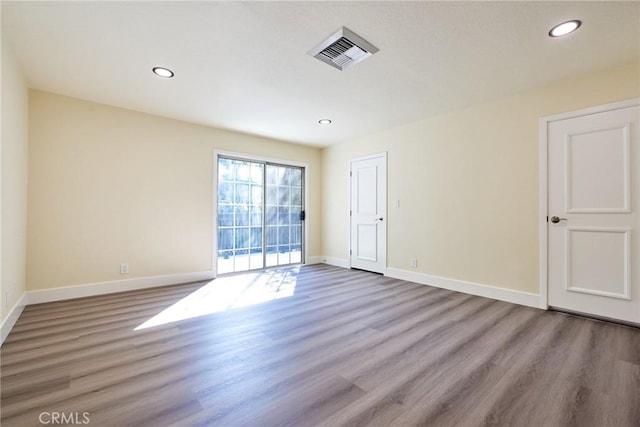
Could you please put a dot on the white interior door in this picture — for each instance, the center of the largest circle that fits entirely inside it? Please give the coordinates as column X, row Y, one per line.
column 368, row 213
column 593, row 223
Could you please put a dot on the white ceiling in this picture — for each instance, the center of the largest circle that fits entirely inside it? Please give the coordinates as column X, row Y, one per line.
column 243, row 65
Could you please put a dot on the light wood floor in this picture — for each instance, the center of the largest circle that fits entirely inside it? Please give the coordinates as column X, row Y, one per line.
column 348, row 348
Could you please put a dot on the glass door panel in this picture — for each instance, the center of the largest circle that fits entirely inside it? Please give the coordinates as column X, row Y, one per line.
column 283, row 222
column 240, row 193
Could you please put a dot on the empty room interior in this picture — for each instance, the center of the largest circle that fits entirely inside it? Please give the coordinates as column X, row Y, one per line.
column 320, row 213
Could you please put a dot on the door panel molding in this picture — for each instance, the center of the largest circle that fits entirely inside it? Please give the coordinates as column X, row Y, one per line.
column 626, row 267
column 543, row 168
column 626, row 172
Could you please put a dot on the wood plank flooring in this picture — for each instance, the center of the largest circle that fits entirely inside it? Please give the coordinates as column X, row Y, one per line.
column 347, row 348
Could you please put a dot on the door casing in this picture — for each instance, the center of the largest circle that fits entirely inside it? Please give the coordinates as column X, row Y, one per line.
column 544, row 185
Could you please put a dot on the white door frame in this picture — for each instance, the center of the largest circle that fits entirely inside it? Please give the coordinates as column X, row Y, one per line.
column 384, row 248
column 544, row 185
column 214, row 193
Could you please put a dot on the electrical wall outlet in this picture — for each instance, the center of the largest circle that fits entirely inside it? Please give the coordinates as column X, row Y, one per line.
column 414, row 262
column 124, row 268
column 6, row 298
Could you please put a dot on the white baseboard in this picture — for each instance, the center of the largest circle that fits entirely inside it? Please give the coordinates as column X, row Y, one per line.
column 313, row 260
column 487, row 291
column 338, row 262
column 12, row 318
column 91, row 289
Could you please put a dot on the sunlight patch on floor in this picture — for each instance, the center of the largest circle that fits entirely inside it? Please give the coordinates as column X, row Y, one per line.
column 228, row 293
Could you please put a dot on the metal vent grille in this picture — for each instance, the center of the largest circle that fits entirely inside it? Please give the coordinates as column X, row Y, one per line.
column 343, row 49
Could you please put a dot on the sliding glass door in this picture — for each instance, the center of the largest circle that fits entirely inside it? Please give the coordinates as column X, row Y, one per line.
column 260, row 214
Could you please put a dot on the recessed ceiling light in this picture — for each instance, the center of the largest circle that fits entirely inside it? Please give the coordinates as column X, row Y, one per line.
column 324, row 121
column 565, row 28
column 163, row 72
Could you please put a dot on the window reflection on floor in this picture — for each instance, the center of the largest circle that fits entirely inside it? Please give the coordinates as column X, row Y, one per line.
column 229, row 292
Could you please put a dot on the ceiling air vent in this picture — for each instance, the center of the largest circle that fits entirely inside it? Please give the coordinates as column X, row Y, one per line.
column 343, row 49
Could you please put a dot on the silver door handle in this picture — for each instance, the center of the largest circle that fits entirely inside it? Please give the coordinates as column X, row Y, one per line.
column 555, row 219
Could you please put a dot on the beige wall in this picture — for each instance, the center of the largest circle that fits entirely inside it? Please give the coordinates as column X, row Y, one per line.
column 14, row 181
column 109, row 185
column 467, row 182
